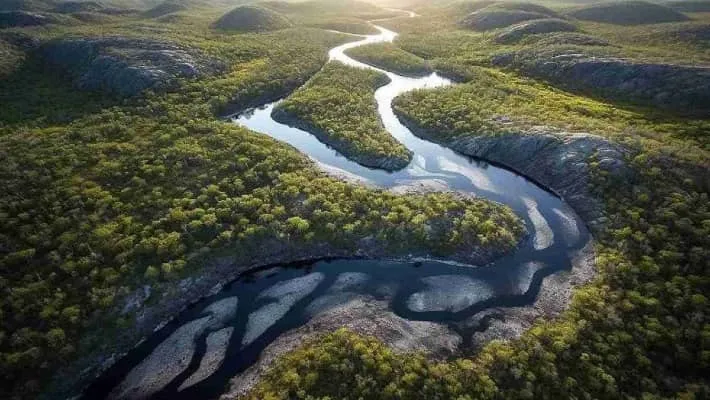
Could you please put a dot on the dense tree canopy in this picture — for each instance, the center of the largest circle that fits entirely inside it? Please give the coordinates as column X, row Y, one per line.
column 391, row 58
column 338, row 106
column 147, row 191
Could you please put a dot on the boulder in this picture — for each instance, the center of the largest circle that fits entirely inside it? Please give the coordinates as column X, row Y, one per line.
column 127, row 66
column 684, row 89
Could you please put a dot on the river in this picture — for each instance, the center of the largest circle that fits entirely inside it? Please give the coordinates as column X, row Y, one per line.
column 200, row 350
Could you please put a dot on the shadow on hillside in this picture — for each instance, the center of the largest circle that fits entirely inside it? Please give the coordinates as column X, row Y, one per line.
column 36, row 95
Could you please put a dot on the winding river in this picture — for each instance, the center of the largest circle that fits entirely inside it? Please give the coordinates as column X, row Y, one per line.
column 196, row 354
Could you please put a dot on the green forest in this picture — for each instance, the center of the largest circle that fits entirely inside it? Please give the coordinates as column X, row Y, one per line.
column 391, row 58
column 338, row 106
column 103, row 194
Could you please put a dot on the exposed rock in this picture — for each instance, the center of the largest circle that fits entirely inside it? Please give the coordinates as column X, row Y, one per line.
column 127, row 66
column 683, row 89
column 519, row 31
column 252, row 19
column 451, row 293
column 485, row 19
column 166, row 362
column 217, row 343
column 628, row 13
column 20, row 40
column 284, row 295
column 10, row 19
column 136, row 299
column 172, row 357
column 362, row 315
column 543, row 236
column 559, row 161
column 553, row 298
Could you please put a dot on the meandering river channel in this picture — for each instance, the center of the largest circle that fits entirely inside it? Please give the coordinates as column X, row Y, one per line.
column 196, row 354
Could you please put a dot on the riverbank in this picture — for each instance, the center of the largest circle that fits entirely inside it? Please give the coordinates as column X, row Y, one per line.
column 149, row 313
column 559, row 161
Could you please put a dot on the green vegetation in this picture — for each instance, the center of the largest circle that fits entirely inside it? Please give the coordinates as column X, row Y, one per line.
column 165, row 8
column 103, row 195
column 338, row 106
column 69, row 7
column 343, row 365
column 492, row 15
column 11, row 58
column 628, row 13
column 640, row 330
column 517, row 32
column 252, row 19
column 391, row 58
column 493, row 102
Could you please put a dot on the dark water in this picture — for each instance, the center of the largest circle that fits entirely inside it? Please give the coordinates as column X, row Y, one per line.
column 253, row 311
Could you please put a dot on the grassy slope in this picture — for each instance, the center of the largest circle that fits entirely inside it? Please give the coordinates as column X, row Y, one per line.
column 339, row 105
column 391, row 58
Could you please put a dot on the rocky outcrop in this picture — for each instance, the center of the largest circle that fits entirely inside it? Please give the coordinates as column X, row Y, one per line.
column 363, row 315
column 12, row 19
column 558, row 161
column 127, row 66
column 553, row 298
column 683, row 89
column 517, row 32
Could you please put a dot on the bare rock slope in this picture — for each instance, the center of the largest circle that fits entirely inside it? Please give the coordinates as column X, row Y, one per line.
column 127, row 66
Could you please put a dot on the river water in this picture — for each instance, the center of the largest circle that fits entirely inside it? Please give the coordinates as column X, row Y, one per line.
column 196, row 354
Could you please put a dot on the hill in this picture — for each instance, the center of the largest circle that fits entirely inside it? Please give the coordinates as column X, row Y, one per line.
column 164, row 8
column 500, row 15
column 252, row 19
column 690, row 5
column 519, row 31
column 628, row 13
